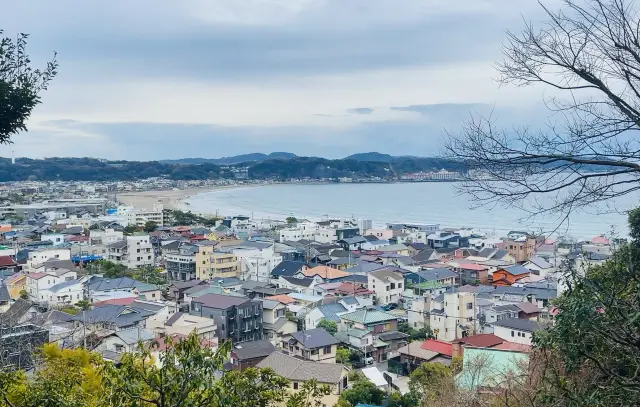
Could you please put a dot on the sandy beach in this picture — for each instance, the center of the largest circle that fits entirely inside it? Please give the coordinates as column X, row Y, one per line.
column 169, row 198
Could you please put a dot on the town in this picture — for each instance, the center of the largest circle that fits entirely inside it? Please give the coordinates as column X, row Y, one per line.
column 310, row 299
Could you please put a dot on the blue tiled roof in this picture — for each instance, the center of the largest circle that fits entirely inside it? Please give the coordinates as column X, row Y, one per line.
column 330, row 310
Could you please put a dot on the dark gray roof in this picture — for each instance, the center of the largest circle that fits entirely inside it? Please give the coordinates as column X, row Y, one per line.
column 196, row 288
column 437, row 311
column 506, row 308
column 517, row 270
column 16, row 311
column 173, row 318
column 353, row 240
column 73, row 230
column 254, row 349
column 220, row 301
column 52, row 317
column 227, row 281
column 342, row 260
column 540, row 262
column 287, row 268
column 134, row 335
column 107, row 284
column 425, row 254
column 181, row 285
column 392, row 336
column 435, row 274
column 301, row 370
column 519, row 324
column 302, row 282
column 120, row 315
column 355, row 278
column 315, row 338
column 487, row 252
column 120, row 244
column 148, row 305
column 330, row 310
column 365, row 267
column 251, row 284
column 4, row 293
column 500, row 254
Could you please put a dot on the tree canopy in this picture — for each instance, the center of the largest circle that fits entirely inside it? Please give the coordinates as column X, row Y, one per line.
column 20, row 85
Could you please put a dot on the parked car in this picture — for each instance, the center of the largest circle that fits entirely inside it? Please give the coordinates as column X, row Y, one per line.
column 390, row 307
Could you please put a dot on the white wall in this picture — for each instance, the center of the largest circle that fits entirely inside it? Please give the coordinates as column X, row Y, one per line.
column 40, row 256
column 512, row 335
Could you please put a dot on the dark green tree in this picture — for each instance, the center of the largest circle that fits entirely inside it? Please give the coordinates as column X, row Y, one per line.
column 150, row 226
column 593, row 349
column 361, row 390
column 328, row 325
column 20, row 85
column 130, row 229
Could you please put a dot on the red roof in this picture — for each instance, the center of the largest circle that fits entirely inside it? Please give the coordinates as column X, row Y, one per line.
column 199, row 237
column 36, row 276
column 473, row 266
column 600, row 240
column 6, row 261
column 117, row 301
column 480, row 340
column 78, row 239
column 443, row 348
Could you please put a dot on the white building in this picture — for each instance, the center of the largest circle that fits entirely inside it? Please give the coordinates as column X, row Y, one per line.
column 55, row 238
column 418, row 315
column 303, row 230
column 138, row 217
column 40, row 256
column 255, row 260
column 516, row 330
column 39, row 285
column 452, row 314
column 66, row 292
column 364, row 225
column 106, row 236
column 133, row 252
column 386, row 285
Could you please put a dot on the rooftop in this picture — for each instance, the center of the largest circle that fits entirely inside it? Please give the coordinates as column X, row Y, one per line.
column 365, row 316
column 301, row 370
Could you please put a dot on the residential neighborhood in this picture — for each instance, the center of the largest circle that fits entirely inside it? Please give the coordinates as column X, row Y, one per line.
column 309, row 299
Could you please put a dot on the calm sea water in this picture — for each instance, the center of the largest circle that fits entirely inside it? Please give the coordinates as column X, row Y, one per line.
column 402, row 202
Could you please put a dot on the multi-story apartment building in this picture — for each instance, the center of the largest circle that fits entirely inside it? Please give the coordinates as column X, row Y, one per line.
column 40, row 256
column 521, row 248
column 47, row 285
column 106, row 236
column 181, row 263
column 387, row 286
column 255, row 260
column 133, row 252
column 453, row 315
column 237, row 318
column 211, row 263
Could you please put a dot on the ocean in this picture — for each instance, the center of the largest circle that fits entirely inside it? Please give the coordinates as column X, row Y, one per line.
column 428, row 202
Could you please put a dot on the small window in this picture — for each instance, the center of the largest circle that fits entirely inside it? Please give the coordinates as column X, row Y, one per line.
column 469, row 305
column 327, row 349
column 295, row 385
column 512, row 334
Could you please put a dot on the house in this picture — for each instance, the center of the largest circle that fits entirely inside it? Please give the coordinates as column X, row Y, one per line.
column 182, row 324
column 314, row 344
column 434, row 281
column 539, row 266
column 15, row 284
column 40, row 256
column 399, row 249
column 180, row 263
column 521, row 248
column 237, row 318
column 516, row 330
column 297, row 284
column 66, row 292
column 298, row 371
column 249, row 354
column 330, row 312
column 176, row 290
column 490, row 369
column 275, row 322
column 413, row 355
column 386, row 285
column 125, row 340
column 324, row 274
column 499, row 312
column 101, row 288
column 476, row 341
column 528, row 310
column 20, row 312
column 288, row 268
column 7, row 264
column 365, row 343
column 443, row 349
column 38, row 283
column 370, row 320
column 509, row 275
column 60, row 326
column 133, row 252
column 471, row 273
column 352, row 243
column 112, row 317
column 453, row 315
column 395, row 340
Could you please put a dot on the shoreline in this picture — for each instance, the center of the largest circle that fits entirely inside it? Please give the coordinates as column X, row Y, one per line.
column 169, row 198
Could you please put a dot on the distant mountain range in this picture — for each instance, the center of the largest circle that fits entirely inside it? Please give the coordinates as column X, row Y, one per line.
column 261, row 157
column 236, row 159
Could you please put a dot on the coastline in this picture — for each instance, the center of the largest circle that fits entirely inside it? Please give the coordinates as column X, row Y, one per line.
column 169, row 198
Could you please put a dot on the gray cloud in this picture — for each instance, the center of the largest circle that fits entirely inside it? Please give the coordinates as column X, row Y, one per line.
column 361, row 110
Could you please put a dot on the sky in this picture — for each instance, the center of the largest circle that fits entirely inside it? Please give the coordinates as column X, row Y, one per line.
column 166, row 79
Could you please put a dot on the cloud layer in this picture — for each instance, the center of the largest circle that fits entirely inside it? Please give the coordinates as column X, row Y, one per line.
column 155, row 79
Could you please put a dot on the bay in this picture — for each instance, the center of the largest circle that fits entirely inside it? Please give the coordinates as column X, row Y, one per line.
column 428, row 202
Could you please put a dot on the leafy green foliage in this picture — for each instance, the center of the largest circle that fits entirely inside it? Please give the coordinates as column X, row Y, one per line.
column 130, row 229
column 83, row 304
column 594, row 340
column 149, row 226
column 430, row 380
column 415, row 334
column 24, row 294
column 291, row 219
column 328, row 325
column 342, row 356
column 20, row 85
column 181, row 218
column 107, row 268
column 361, row 390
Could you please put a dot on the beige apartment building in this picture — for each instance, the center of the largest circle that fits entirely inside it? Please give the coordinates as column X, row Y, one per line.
column 212, row 264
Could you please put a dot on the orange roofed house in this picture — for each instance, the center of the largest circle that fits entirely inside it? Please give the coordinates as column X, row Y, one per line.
column 508, row 275
column 323, row 274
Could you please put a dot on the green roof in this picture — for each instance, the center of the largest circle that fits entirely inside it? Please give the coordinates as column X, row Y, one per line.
column 146, row 287
column 484, row 367
column 367, row 317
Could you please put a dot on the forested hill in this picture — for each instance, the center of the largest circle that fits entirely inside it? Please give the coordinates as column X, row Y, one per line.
column 91, row 169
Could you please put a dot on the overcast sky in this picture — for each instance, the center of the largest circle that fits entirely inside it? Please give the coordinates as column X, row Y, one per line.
column 153, row 79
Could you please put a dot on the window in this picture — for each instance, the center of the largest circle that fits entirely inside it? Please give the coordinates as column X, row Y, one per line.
column 314, row 352
column 295, row 385
column 393, row 286
column 512, row 334
column 326, row 350
column 399, row 285
column 118, row 347
column 387, row 288
column 469, row 305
